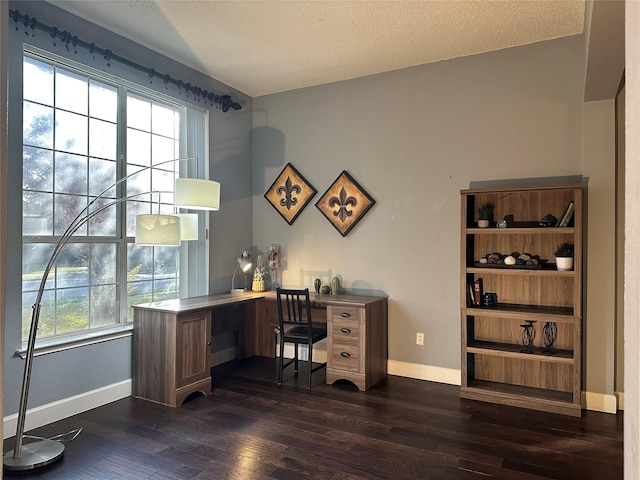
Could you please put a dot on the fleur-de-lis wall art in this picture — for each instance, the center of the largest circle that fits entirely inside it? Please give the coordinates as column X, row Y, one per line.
column 290, row 193
column 345, row 203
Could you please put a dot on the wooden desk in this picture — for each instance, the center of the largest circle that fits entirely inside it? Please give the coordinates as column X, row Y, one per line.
column 172, row 339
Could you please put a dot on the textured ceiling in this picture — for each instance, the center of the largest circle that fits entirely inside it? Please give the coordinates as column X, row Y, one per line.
column 263, row 47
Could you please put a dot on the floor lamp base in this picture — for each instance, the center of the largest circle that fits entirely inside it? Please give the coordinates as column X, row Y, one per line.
column 34, row 455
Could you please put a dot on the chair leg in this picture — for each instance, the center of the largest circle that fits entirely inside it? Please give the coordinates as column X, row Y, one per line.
column 280, row 362
column 310, row 364
column 295, row 356
column 275, row 342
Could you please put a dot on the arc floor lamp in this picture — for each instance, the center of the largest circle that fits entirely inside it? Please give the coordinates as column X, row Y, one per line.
column 151, row 229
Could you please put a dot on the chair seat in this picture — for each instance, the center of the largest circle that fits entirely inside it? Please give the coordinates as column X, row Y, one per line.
column 301, row 334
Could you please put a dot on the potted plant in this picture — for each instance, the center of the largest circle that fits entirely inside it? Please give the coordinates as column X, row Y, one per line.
column 564, row 256
column 258, row 280
column 485, row 212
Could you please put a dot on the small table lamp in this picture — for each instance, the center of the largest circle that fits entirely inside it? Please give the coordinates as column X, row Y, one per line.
column 245, row 265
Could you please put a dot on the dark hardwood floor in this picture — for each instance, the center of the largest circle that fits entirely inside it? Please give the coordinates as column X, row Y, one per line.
column 249, row 428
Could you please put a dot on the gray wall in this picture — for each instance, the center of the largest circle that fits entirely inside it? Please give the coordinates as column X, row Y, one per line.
column 61, row 375
column 413, row 138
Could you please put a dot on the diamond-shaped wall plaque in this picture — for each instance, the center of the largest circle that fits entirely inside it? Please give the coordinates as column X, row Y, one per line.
column 345, row 203
column 290, row 193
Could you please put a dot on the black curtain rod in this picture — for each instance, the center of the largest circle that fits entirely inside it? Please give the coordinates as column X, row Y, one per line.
column 223, row 102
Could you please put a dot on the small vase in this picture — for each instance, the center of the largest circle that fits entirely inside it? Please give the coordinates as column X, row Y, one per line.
column 335, row 285
column 257, row 286
column 483, row 223
column 316, row 285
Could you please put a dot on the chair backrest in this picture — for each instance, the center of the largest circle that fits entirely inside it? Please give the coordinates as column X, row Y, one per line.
column 294, row 307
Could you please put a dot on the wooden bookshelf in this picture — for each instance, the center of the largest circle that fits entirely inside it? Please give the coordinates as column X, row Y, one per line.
column 496, row 367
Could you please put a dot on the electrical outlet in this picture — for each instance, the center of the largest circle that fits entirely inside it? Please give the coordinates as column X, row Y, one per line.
column 419, row 338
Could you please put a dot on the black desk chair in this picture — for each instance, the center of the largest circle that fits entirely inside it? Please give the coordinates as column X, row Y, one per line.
column 294, row 316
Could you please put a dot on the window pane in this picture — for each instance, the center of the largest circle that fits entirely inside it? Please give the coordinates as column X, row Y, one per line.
column 72, row 266
column 71, row 92
column 165, row 289
column 71, row 174
column 103, row 101
column 47, row 318
column 37, row 125
column 152, row 273
column 37, row 169
column 71, row 132
column 37, row 213
column 104, row 223
column 103, row 138
column 138, row 292
column 37, row 79
column 103, row 263
column 163, row 181
column 163, row 120
column 139, row 262
column 102, row 174
column 66, row 208
column 72, row 309
column 104, row 306
column 138, row 147
column 35, row 257
column 163, row 149
column 138, row 113
column 138, row 183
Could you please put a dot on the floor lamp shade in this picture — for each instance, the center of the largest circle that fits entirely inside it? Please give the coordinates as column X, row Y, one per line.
column 188, row 226
column 197, row 194
column 158, row 230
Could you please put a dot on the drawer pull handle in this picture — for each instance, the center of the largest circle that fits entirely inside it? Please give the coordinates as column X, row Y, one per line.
column 345, row 330
column 345, row 314
column 345, row 354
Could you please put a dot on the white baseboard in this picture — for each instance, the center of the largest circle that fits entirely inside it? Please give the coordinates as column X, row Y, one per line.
column 450, row 376
column 600, row 402
column 52, row 412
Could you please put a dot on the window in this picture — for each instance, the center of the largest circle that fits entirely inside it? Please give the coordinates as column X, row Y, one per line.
column 81, row 133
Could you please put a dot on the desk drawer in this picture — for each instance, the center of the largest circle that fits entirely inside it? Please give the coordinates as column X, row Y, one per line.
column 339, row 314
column 344, row 328
column 345, row 355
